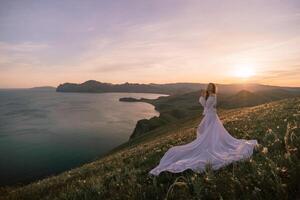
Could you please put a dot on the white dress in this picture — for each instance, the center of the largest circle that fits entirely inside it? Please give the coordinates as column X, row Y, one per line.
column 213, row 145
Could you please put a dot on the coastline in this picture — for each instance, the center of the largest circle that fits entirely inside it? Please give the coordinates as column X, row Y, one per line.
column 142, row 123
column 171, row 108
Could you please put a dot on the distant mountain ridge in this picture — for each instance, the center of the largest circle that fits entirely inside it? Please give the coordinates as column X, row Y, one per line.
column 43, row 88
column 93, row 86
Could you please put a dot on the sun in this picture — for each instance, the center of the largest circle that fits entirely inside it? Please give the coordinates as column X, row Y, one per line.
column 244, row 71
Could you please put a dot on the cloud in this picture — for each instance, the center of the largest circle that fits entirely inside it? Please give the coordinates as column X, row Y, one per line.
column 183, row 50
column 286, row 76
column 147, row 46
column 154, row 41
column 290, row 72
column 22, row 47
column 20, row 56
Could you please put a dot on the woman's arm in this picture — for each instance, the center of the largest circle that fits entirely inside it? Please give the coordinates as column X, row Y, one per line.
column 202, row 100
column 202, row 97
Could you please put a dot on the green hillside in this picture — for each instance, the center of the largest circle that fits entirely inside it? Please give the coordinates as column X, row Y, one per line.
column 182, row 106
column 272, row 173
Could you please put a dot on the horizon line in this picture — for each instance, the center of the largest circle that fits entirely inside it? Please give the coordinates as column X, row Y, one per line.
column 16, row 88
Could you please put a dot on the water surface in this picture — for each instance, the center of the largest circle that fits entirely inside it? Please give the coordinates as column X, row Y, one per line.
column 45, row 132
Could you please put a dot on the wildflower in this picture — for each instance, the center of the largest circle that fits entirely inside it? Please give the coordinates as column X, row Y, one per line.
column 265, row 150
column 181, row 183
column 158, row 150
column 259, row 173
column 257, row 189
column 283, row 170
column 287, row 155
column 269, row 130
column 293, row 149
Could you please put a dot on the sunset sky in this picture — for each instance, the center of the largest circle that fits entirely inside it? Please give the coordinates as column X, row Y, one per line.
column 159, row 41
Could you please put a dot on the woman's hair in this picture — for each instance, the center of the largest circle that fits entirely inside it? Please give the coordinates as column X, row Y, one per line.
column 213, row 90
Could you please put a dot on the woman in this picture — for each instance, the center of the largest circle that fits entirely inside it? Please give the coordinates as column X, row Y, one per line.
column 213, row 145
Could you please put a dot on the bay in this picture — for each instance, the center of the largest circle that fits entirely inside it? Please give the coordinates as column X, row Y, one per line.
column 45, row 132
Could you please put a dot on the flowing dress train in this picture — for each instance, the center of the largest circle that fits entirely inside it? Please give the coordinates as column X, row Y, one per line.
column 213, row 145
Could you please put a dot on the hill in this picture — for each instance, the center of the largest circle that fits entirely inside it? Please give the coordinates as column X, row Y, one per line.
column 246, row 98
column 176, row 107
column 41, row 88
column 168, row 88
column 272, row 173
column 92, row 86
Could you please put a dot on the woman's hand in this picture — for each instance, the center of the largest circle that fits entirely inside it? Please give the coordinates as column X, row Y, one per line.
column 202, row 92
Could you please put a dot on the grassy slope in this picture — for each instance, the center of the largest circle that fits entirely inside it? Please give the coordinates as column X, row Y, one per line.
column 177, row 107
column 123, row 174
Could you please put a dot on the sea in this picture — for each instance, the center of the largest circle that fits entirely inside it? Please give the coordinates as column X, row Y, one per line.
column 44, row 132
